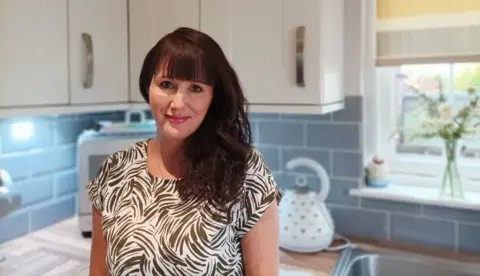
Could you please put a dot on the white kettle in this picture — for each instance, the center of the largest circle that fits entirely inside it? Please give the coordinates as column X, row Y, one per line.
column 306, row 224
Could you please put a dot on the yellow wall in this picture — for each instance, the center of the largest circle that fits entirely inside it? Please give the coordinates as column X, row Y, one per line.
column 404, row 8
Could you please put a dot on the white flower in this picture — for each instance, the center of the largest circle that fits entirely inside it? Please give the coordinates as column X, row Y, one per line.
column 446, row 112
column 428, row 124
column 425, row 123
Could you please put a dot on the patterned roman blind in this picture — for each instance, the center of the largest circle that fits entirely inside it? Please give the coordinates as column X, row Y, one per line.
column 427, row 31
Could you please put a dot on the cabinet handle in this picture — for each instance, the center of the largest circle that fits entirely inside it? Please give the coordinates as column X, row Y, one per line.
column 88, row 77
column 299, row 55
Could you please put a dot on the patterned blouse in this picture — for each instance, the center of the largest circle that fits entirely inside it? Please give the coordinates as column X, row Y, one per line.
column 150, row 231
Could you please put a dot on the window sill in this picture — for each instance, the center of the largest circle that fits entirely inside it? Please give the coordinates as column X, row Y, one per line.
column 421, row 195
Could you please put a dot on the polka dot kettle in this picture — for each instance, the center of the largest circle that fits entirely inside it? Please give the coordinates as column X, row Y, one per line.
column 306, row 224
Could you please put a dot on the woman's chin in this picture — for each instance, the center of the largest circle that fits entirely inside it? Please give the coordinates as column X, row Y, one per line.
column 175, row 133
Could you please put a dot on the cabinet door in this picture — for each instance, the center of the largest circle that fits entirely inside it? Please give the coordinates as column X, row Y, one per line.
column 149, row 21
column 33, row 53
column 98, row 51
column 275, row 46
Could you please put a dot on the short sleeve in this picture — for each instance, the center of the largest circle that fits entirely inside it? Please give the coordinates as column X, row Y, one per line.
column 261, row 191
column 95, row 187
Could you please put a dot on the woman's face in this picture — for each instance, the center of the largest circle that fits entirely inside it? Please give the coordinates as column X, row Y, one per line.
column 178, row 106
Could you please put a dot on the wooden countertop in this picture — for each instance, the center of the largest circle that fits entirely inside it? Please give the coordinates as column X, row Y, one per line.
column 65, row 237
column 322, row 263
column 318, row 264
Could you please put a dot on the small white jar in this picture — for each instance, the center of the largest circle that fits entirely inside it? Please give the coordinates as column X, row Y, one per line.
column 377, row 173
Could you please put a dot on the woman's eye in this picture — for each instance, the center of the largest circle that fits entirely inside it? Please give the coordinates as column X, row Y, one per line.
column 165, row 85
column 196, row 88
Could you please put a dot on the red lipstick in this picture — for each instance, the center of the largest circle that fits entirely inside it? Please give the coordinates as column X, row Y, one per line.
column 177, row 119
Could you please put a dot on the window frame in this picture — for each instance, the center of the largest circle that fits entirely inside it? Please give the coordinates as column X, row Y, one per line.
column 425, row 171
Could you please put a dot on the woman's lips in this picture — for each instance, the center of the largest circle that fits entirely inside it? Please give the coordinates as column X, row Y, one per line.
column 177, row 119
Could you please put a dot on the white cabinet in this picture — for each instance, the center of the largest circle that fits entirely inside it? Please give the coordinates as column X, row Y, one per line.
column 33, row 53
column 86, row 55
column 98, row 33
column 149, row 20
column 62, row 56
column 288, row 54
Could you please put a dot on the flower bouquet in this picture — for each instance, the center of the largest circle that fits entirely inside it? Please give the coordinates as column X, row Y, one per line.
column 440, row 119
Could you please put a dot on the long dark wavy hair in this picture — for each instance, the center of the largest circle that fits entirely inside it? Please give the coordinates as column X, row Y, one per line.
column 216, row 154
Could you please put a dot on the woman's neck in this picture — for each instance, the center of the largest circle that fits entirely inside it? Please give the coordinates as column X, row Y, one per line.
column 167, row 155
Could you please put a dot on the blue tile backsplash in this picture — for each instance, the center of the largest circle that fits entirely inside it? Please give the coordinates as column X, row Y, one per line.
column 44, row 169
column 335, row 141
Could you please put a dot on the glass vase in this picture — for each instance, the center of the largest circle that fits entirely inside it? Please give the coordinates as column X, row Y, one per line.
column 452, row 184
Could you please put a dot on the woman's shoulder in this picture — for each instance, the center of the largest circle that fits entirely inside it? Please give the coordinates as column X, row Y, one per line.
column 260, row 189
column 114, row 166
column 259, row 176
column 256, row 164
column 132, row 153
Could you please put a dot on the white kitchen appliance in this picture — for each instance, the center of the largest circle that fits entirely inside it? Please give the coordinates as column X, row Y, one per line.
column 306, row 224
column 94, row 146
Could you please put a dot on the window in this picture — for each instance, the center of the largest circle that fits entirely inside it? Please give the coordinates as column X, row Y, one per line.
column 432, row 48
column 398, row 104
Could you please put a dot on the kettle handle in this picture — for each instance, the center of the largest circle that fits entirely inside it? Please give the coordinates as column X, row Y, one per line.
column 319, row 170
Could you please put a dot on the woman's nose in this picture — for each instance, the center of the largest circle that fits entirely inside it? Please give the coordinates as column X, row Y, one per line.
column 177, row 99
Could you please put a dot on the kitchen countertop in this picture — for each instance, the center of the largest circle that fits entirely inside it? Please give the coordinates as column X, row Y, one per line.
column 59, row 249
column 320, row 264
column 323, row 263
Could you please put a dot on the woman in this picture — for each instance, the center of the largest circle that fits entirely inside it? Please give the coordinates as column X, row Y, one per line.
column 197, row 199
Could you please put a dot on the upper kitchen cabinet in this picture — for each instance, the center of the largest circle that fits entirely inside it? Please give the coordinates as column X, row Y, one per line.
column 33, row 53
column 98, row 33
column 289, row 55
column 149, row 21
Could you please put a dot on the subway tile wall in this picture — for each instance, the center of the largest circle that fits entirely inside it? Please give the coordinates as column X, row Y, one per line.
column 44, row 169
column 335, row 141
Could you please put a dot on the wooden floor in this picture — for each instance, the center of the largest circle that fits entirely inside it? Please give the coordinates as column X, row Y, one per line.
column 61, row 250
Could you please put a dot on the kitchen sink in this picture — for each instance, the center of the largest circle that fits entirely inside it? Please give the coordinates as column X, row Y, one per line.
column 359, row 262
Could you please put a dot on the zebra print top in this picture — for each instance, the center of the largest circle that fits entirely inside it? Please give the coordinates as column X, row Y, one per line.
column 150, row 231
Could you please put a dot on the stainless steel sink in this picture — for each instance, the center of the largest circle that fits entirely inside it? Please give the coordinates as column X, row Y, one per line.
column 358, row 262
